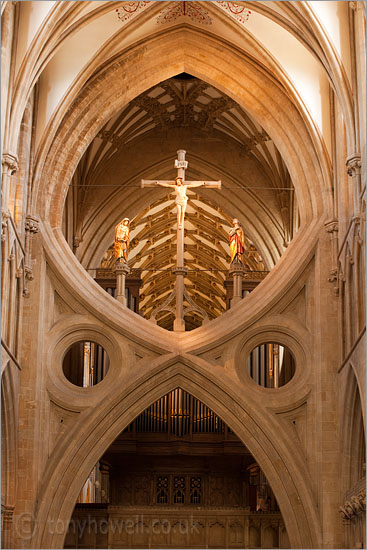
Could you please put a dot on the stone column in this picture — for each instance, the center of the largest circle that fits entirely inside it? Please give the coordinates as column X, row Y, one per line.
column 236, row 270
column 353, row 164
column 19, row 200
column 121, row 270
column 10, row 328
column 7, row 35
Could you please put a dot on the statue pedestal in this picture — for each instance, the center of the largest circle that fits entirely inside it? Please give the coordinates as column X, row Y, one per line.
column 121, row 270
column 236, row 270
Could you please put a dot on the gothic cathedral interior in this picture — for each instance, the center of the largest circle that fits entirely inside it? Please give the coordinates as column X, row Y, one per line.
column 183, row 274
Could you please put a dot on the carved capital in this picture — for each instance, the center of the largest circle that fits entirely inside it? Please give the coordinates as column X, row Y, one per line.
column 333, row 276
column 76, row 242
column 19, row 273
column 122, row 267
column 9, row 163
column 354, row 506
column 332, row 226
column 179, row 271
column 28, row 273
column 353, row 6
column 32, row 224
column 236, row 269
column 353, row 164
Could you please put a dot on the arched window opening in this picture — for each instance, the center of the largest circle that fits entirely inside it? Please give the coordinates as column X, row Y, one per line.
column 85, row 364
column 177, row 456
column 182, row 109
column 271, row 365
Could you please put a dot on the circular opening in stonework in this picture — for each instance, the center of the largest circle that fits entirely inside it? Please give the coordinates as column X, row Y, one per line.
column 85, row 364
column 271, row 365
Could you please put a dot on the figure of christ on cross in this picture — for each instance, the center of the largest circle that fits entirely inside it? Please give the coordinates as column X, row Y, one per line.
column 181, row 197
column 180, row 186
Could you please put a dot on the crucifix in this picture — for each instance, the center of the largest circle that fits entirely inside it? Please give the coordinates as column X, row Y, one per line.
column 180, row 186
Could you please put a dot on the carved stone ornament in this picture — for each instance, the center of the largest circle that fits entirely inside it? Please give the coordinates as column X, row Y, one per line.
column 5, row 215
column 354, row 506
column 32, row 224
column 353, row 164
column 28, row 273
column 333, row 276
column 332, row 226
column 9, row 163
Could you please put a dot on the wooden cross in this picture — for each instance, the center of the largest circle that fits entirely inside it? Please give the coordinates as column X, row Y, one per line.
column 180, row 186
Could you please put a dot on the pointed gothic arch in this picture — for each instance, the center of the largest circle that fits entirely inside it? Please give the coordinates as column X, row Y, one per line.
column 208, row 58
column 73, row 460
column 352, row 429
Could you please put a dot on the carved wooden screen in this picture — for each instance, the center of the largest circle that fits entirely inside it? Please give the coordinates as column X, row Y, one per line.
column 179, row 489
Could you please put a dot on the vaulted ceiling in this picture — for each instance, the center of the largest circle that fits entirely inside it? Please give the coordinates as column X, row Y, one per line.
column 186, row 102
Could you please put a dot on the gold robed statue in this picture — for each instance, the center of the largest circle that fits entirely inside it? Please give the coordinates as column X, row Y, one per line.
column 236, row 242
column 122, row 240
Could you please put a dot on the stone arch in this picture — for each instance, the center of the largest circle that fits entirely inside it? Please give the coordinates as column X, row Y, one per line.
column 53, row 31
column 352, row 425
column 76, row 456
column 210, row 59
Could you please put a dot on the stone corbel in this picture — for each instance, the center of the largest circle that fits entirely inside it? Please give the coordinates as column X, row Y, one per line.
column 31, row 228
column 9, row 163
